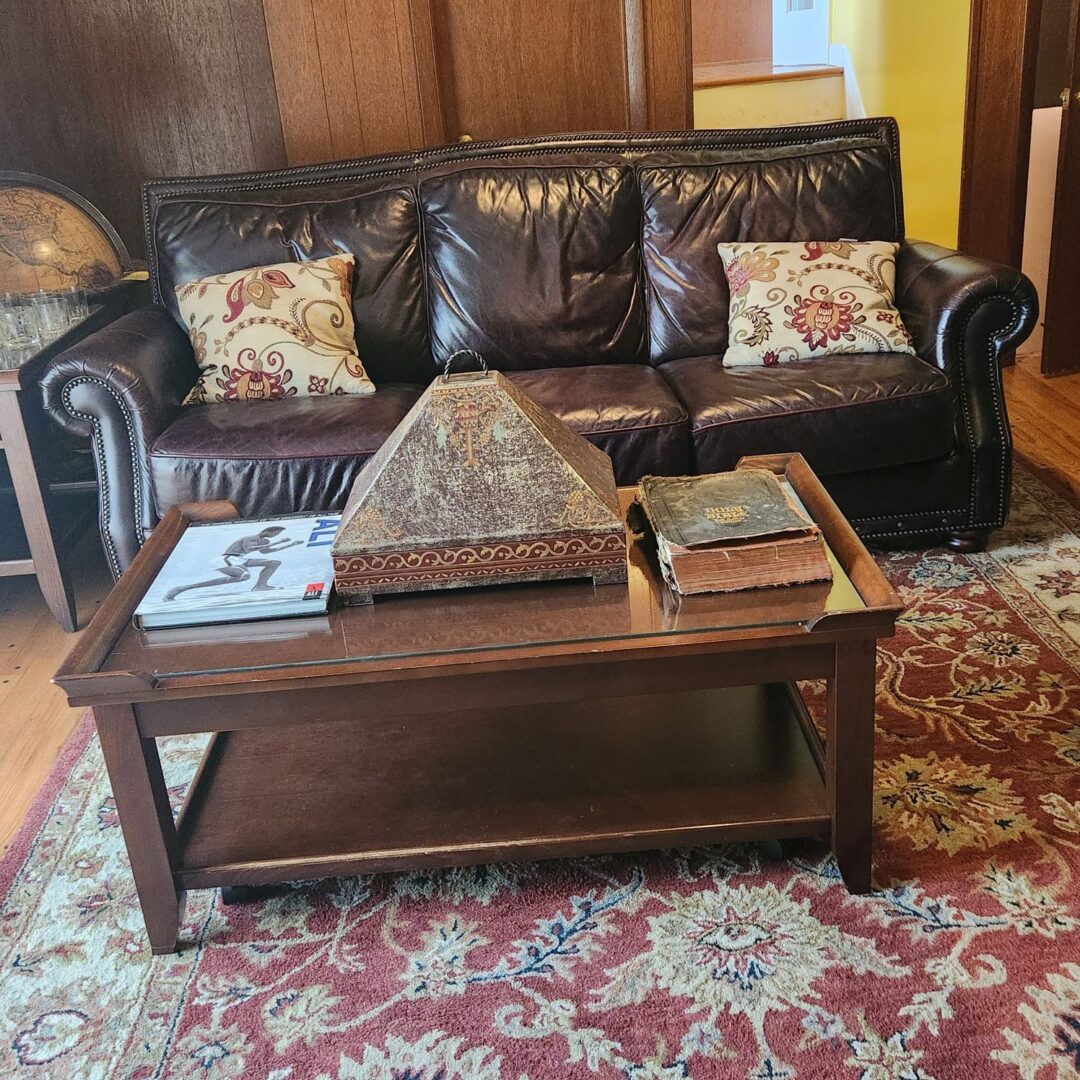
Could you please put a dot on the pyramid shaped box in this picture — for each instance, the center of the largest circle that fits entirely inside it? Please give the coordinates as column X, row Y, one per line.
column 479, row 485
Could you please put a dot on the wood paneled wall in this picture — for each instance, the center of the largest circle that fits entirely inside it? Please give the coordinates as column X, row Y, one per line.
column 103, row 95
column 344, row 71
column 730, row 30
column 441, row 70
column 578, row 78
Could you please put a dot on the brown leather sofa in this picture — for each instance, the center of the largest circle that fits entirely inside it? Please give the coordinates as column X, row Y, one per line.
column 585, row 267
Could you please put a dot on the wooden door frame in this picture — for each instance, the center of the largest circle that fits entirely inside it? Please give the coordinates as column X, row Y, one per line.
column 660, row 95
column 1059, row 353
column 997, row 128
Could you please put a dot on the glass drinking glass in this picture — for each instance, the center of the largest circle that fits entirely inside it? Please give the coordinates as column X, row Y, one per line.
column 20, row 336
column 14, row 356
column 52, row 314
column 18, row 323
column 78, row 304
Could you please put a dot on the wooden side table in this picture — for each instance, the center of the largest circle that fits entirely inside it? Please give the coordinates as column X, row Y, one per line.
column 20, row 418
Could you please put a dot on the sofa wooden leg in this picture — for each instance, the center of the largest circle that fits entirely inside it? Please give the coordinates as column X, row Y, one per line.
column 968, row 540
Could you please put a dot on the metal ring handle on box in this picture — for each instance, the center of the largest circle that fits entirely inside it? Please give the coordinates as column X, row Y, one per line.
column 447, row 374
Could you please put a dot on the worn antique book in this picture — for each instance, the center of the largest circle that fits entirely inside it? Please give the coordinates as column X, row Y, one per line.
column 726, row 531
column 232, row 571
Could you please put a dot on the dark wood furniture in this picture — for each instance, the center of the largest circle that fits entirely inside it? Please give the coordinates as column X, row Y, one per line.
column 518, row 722
column 1061, row 313
column 25, row 438
column 997, row 128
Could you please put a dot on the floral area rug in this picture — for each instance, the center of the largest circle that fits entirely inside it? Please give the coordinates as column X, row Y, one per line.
column 964, row 963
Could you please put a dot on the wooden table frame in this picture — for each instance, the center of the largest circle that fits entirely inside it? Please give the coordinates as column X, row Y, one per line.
column 339, row 703
column 19, row 397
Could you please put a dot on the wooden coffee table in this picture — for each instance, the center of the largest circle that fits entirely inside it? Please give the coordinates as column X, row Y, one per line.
column 514, row 722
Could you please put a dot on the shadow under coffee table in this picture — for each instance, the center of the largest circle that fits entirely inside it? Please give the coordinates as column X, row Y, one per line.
column 516, row 722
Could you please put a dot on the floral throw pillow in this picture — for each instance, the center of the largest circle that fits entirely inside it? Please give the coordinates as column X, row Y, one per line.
column 798, row 301
column 274, row 332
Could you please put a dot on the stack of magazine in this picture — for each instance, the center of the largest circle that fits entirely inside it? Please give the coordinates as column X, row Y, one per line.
column 235, row 571
column 721, row 532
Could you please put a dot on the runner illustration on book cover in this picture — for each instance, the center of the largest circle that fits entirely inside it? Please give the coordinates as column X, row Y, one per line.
column 238, row 561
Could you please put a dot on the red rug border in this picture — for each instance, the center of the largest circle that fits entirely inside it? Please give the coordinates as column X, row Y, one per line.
column 14, row 857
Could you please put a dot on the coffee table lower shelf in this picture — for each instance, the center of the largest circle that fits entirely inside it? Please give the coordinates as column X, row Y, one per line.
column 621, row 774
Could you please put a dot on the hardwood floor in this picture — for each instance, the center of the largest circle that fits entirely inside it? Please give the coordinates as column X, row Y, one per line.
column 1045, row 418
column 35, row 721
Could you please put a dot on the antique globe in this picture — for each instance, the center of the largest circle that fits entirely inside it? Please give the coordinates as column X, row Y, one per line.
column 52, row 239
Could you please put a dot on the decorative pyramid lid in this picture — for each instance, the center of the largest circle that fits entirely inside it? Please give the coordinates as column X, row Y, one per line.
column 476, row 459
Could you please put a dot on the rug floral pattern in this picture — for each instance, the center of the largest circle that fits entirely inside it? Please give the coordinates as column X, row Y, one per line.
column 964, row 962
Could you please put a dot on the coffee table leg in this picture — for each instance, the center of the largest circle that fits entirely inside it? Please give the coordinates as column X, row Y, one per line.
column 849, row 765
column 142, row 804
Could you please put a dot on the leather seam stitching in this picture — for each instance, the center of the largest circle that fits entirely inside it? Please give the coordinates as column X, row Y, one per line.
column 412, row 163
column 353, row 454
column 910, row 513
column 631, row 430
column 996, row 524
column 99, row 453
column 818, row 408
column 992, row 353
column 343, row 455
column 445, row 154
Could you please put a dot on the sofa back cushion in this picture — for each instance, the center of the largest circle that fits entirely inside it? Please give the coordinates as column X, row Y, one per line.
column 535, row 266
column 202, row 235
column 822, row 191
column 540, row 251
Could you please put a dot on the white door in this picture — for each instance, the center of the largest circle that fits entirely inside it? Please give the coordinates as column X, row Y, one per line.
column 800, row 30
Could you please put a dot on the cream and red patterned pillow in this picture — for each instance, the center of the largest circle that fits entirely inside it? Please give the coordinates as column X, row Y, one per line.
column 274, row 332
column 798, row 301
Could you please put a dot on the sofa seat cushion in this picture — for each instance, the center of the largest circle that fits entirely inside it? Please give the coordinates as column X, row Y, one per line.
column 847, row 413
column 277, row 457
column 628, row 410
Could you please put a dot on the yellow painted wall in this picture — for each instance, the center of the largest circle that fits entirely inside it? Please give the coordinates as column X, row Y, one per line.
column 763, row 104
column 910, row 60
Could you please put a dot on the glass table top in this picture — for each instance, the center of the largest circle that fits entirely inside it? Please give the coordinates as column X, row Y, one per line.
column 488, row 618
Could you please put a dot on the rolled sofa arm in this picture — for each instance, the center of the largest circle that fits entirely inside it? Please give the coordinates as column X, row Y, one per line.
column 963, row 313
column 960, row 308
column 121, row 387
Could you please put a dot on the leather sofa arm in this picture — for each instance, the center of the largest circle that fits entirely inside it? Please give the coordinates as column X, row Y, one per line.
column 121, row 387
column 963, row 313
column 960, row 309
